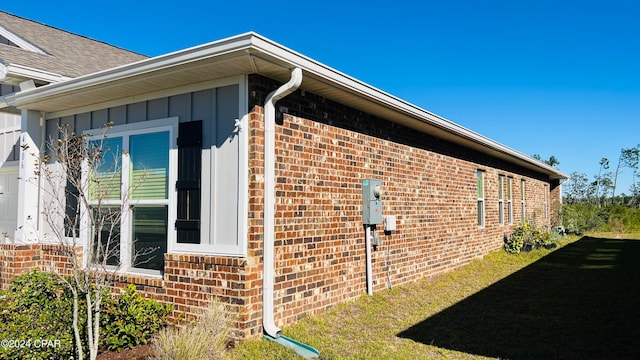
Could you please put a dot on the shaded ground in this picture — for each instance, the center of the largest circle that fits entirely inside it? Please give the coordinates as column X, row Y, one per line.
column 579, row 302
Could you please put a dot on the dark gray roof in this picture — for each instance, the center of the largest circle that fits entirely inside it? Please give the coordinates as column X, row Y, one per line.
column 67, row 54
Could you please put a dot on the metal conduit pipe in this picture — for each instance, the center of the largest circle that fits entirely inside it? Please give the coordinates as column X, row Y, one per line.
column 268, row 322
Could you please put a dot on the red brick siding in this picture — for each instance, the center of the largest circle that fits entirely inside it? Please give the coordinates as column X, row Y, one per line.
column 190, row 281
column 324, row 151
column 16, row 260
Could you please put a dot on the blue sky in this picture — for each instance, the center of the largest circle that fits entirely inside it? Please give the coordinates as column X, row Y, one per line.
column 557, row 78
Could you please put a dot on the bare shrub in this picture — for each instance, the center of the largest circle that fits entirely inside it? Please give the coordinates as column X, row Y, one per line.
column 204, row 339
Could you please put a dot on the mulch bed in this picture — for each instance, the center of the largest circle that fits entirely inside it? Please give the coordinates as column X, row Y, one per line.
column 141, row 352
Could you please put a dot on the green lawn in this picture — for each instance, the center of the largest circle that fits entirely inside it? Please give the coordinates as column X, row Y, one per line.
column 581, row 301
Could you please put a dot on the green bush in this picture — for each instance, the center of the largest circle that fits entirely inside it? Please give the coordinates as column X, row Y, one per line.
column 129, row 319
column 526, row 236
column 36, row 314
column 622, row 219
column 514, row 243
column 579, row 218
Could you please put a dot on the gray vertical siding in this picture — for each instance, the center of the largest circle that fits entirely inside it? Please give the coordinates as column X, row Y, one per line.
column 9, row 137
column 8, row 89
column 9, row 130
column 218, row 109
column 225, row 165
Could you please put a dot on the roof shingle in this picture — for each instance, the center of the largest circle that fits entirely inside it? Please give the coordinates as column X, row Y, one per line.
column 68, row 54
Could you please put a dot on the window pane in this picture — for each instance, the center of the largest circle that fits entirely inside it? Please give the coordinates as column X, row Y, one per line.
column 149, row 235
column 500, row 184
column 105, row 164
column 150, row 165
column 510, row 212
column 480, row 185
column 480, row 213
column 106, row 232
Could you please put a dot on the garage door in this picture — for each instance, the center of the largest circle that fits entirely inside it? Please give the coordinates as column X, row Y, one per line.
column 8, row 201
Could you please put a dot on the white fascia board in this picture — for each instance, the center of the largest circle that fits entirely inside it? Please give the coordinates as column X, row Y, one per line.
column 335, row 77
column 138, row 68
column 14, row 74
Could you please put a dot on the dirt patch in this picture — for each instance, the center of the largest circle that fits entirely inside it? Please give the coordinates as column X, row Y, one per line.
column 141, row 352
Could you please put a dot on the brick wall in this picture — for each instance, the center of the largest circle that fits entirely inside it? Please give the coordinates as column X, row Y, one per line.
column 190, row 282
column 16, row 260
column 324, row 151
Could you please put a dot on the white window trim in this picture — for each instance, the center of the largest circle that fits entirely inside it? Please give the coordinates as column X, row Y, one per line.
column 510, row 200
column 501, row 200
column 144, row 127
column 481, row 199
column 546, row 202
column 523, row 204
column 241, row 249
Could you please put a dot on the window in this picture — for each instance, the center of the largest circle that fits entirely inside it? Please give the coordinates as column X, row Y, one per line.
column 510, row 200
column 546, row 202
column 480, row 186
column 501, row 199
column 523, row 205
column 131, row 190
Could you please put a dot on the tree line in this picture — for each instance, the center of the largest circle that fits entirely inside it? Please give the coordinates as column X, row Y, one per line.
column 601, row 189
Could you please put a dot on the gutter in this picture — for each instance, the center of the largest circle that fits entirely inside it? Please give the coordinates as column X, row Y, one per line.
column 239, row 47
column 7, row 101
column 3, row 102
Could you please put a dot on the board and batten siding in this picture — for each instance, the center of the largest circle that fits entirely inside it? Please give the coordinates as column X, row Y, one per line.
column 9, row 157
column 223, row 162
column 9, row 138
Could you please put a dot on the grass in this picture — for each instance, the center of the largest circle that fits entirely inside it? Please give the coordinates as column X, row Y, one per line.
column 579, row 301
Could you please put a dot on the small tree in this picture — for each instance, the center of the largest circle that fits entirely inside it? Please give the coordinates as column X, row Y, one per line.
column 628, row 158
column 553, row 161
column 577, row 188
column 79, row 177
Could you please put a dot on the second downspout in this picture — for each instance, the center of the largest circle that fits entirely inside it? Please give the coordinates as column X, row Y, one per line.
column 268, row 322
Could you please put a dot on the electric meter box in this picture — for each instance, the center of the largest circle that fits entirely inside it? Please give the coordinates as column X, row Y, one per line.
column 371, row 201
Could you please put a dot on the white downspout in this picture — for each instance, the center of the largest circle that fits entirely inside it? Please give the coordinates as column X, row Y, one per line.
column 268, row 322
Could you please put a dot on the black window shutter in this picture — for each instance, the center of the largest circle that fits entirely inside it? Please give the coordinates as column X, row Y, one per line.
column 188, row 184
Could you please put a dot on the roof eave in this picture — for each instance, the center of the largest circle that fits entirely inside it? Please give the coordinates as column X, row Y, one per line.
column 14, row 74
column 251, row 47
